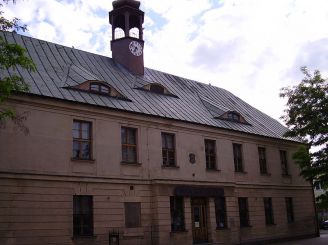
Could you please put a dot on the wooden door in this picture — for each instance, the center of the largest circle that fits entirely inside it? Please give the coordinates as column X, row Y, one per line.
column 199, row 219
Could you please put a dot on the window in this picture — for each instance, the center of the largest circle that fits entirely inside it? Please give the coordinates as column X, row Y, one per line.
column 262, row 160
column 177, row 214
column 129, row 144
column 210, row 154
column 82, row 216
column 220, row 213
column 289, row 209
column 268, row 210
column 168, row 149
column 243, row 211
column 233, row 116
column 283, row 161
column 81, row 140
column 132, row 214
column 99, row 88
column 156, row 89
column 237, row 157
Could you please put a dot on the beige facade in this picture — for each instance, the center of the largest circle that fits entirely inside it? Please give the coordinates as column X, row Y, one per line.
column 38, row 179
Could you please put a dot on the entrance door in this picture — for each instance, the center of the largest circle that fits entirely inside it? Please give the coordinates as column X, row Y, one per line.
column 199, row 220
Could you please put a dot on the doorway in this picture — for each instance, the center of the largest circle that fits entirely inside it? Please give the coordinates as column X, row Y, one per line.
column 199, row 220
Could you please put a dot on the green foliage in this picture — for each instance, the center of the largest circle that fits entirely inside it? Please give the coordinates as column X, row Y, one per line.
column 11, row 57
column 307, row 117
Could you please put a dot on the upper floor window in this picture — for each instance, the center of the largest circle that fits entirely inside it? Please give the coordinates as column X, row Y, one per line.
column 82, row 216
column 177, row 213
column 220, row 213
column 210, row 154
column 262, row 160
column 283, row 161
column 81, row 140
column 99, row 88
column 156, row 88
column 129, row 144
column 268, row 210
column 168, row 149
column 243, row 211
column 132, row 214
column 233, row 116
column 289, row 209
column 238, row 157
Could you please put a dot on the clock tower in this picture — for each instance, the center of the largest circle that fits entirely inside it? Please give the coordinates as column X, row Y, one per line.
column 127, row 37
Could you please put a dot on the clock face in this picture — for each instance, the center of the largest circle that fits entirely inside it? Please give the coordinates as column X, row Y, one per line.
column 135, row 48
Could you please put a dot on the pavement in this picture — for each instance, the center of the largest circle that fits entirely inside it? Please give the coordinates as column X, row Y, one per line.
column 322, row 240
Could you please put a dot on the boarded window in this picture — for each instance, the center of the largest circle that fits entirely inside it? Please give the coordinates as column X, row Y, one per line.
column 283, row 161
column 268, row 210
column 210, row 154
column 132, row 214
column 289, row 209
column 243, row 211
column 262, row 160
column 177, row 213
column 168, row 149
column 82, row 216
column 220, row 213
column 81, row 139
column 237, row 157
column 129, row 144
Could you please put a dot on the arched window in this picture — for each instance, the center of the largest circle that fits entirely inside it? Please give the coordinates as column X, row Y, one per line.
column 156, row 88
column 99, row 88
column 118, row 33
column 134, row 32
column 233, row 116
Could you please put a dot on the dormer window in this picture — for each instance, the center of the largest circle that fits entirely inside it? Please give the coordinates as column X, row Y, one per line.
column 233, row 116
column 156, row 88
column 99, row 88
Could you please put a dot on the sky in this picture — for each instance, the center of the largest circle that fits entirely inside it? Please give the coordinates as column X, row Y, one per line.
column 252, row 48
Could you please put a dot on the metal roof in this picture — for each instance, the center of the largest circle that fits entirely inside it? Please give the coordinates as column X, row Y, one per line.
column 59, row 66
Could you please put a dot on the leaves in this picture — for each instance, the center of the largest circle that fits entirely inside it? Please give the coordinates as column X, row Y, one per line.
column 307, row 117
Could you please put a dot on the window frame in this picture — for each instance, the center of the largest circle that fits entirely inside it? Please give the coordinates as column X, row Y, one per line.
column 129, row 145
column 99, row 90
column 77, row 217
column 290, row 210
column 177, row 210
column 243, row 212
column 80, row 140
column 210, row 158
column 238, row 160
column 262, row 159
column 220, row 213
column 268, row 211
column 156, row 88
column 132, row 221
column 284, row 162
column 167, row 151
column 233, row 116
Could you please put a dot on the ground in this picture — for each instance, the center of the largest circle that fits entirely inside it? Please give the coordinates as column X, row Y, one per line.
column 322, row 240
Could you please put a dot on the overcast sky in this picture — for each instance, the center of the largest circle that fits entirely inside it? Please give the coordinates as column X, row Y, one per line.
column 249, row 47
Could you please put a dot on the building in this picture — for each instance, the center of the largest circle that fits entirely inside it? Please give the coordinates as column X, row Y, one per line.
column 117, row 152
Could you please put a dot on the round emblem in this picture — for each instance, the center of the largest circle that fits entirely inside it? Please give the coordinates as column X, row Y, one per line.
column 135, row 48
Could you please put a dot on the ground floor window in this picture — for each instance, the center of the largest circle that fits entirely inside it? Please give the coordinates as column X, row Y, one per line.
column 243, row 211
column 220, row 213
column 132, row 214
column 268, row 210
column 82, row 216
column 289, row 209
column 177, row 213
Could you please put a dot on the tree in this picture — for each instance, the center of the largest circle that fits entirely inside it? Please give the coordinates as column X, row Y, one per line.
column 11, row 56
column 306, row 117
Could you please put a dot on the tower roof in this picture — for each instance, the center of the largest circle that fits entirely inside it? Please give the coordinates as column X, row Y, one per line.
column 131, row 3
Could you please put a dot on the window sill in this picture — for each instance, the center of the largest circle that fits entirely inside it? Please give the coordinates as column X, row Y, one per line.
column 213, row 170
column 131, row 163
column 286, row 175
column 83, row 160
column 222, row 228
column 271, row 224
column 169, row 166
column 86, row 237
column 266, row 174
column 245, row 227
column 179, row 231
column 240, row 172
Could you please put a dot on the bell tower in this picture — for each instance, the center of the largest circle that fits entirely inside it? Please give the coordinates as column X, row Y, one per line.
column 127, row 35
